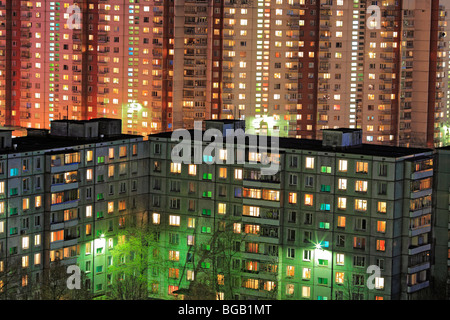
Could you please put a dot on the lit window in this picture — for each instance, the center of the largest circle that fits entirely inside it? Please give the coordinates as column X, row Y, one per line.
column 174, row 220
column 88, row 211
column 379, row 283
column 174, row 255
column 381, row 245
column 192, row 169
column 292, row 197
column 306, row 292
column 156, row 218
column 362, row 167
column 361, row 186
column 339, row 277
column 343, row 165
column 381, row 207
column 381, row 226
column 290, row 271
column 223, row 173
column 309, row 163
column 341, row 222
column 238, row 174
column 222, row 208
column 340, row 257
column 25, row 243
column 308, row 199
column 342, row 184
column 342, row 203
column 306, row 273
column 250, row 211
column 175, row 167
column 360, row 205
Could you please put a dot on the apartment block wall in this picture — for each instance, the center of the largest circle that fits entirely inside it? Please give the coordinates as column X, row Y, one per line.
column 378, row 228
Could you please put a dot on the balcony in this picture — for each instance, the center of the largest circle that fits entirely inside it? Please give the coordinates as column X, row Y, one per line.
column 419, row 249
column 418, row 286
column 419, row 267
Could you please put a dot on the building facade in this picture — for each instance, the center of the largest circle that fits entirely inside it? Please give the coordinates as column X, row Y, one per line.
column 64, row 199
column 290, row 67
column 82, row 59
column 335, row 212
column 314, row 230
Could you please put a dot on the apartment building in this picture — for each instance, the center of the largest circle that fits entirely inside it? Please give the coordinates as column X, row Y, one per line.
column 116, row 63
column 65, row 195
column 336, row 209
column 441, row 205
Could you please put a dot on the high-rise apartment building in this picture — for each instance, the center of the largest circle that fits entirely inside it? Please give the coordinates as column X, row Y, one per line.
column 289, row 67
column 116, row 63
column 299, row 66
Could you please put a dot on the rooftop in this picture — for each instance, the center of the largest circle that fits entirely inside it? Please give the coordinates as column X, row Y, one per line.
column 316, row 145
column 35, row 143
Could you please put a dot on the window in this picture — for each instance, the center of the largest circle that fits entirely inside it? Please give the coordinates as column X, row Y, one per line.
column 359, row 242
column 342, row 184
column 308, row 199
column 307, row 255
column 325, row 169
column 223, row 173
column 306, row 273
column 309, row 163
column 89, row 156
column 381, row 207
column 379, row 283
column 250, row 211
column 290, row 271
column 343, row 165
column 238, row 174
column 174, row 255
column 362, row 167
column 175, row 167
column 339, row 277
column 292, row 197
column 306, row 292
column 381, row 245
column 342, row 203
column 192, row 169
column 341, row 222
column 291, row 253
column 25, row 243
column 361, row 186
column 122, row 151
column 382, row 171
column 360, row 205
column 174, row 220
column 381, row 226
column 222, row 208
column 340, row 259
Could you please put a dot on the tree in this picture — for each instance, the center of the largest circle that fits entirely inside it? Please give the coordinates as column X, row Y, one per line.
column 219, row 251
column 54, row 284
column 136, row 253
